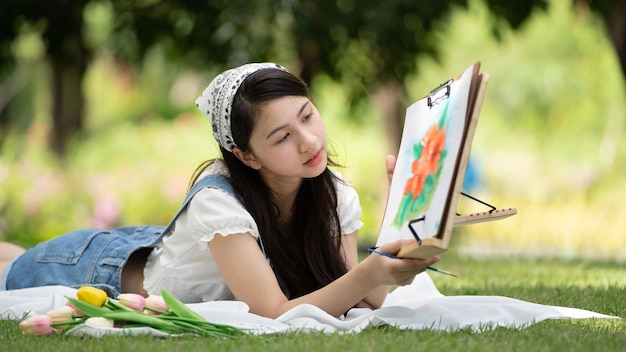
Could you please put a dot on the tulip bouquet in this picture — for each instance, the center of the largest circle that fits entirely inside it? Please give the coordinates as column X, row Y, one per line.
column 93, row 308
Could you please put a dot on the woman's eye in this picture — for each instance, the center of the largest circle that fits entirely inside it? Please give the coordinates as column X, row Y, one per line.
column 283, row 138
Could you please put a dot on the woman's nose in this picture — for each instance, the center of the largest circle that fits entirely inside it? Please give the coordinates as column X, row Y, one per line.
column 307, row 140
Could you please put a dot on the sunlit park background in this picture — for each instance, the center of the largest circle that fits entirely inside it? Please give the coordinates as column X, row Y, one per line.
column 549, row 138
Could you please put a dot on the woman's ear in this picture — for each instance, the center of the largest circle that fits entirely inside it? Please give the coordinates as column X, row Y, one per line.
column 247, row 158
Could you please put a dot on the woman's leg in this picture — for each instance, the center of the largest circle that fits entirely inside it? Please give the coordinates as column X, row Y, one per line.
column 132, row 272
column 8, row 252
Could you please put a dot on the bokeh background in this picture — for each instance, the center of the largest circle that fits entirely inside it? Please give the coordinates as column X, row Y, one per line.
column 98, row 126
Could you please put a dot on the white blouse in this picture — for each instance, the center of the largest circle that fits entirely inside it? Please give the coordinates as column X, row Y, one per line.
column 185, row 266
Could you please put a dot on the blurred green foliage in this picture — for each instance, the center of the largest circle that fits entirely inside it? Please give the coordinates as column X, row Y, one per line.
column 548, row 142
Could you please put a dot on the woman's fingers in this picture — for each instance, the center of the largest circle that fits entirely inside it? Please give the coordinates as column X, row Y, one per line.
column 401, row 271
column 390, row 162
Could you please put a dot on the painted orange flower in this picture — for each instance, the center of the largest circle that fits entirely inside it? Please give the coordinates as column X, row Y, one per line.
column 432, row 143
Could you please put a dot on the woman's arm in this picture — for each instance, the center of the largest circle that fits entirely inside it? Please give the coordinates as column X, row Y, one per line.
column 375, row 298
column 350, row 251
column 251, row 280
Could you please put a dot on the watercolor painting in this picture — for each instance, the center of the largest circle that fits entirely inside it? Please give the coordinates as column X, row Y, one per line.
column 419, row 199
column 429, row 155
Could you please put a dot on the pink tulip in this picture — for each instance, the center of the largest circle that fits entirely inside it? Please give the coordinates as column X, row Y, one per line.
column 133, row 301
column 63, row 314
column 38, row 325
column 77, row 313
column 154, row 302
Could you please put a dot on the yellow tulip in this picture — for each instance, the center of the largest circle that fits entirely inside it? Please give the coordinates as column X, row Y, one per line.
column 92, row 295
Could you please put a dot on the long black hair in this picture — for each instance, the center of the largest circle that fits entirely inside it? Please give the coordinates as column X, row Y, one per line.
column 305, row 252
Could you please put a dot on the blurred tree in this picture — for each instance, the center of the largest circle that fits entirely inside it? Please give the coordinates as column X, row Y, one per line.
column 368, row 45
column 216, row 32
column 613, row 12
column 219, row 33
column 61, row 28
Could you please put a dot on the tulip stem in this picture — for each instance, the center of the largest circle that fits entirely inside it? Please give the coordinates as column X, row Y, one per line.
column 160, row 312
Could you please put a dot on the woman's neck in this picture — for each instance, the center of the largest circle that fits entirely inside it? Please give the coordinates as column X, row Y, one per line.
column 284, row 198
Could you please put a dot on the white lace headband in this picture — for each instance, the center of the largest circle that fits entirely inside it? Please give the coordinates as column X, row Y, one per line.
column 217, row 99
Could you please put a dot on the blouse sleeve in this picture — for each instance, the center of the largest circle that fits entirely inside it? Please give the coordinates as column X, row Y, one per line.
column 348, row 208
column 213, row 211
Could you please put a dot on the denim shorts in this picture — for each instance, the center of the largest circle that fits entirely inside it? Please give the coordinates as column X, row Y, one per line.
column 93, row 257
column 84, row 257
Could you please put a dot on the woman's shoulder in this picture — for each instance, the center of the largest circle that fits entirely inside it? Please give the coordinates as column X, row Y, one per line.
column 348, row 205
column 216, row 207
column 215, row 167
column 341, row 183
column 346, row 194
column 213, row 188
column 215, row 175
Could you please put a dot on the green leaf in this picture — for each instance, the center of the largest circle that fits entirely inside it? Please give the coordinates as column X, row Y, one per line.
column 115, row 305
column 87, row 308
column 141, row 318
column 179, row 308
column 222, row 329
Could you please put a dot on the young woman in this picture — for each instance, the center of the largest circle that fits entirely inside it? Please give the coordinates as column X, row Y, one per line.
column 268, row 224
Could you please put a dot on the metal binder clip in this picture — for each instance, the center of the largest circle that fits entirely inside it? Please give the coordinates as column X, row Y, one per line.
column 439, row 93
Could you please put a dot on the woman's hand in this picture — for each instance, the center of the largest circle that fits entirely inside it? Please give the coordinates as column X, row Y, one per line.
column 390, row 271
column 390, row 162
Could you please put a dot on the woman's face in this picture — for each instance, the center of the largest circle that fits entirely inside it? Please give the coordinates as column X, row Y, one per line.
column 289, row 140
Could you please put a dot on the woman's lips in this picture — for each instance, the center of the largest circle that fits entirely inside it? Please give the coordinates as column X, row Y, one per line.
column 315, row 159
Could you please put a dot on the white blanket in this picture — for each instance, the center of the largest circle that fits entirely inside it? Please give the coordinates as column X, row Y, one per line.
column 417, row 306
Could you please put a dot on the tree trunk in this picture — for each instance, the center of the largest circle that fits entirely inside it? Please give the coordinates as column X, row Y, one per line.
column 68, row 102
column 616, row 23
column 388, row 99
column 68, row 65
column 308, row 54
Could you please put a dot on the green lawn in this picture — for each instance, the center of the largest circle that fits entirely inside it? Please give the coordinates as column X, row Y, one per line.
column 599, row 287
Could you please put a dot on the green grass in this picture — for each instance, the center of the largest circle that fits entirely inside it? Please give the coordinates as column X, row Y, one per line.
column 539, row 152
column 581, row 284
